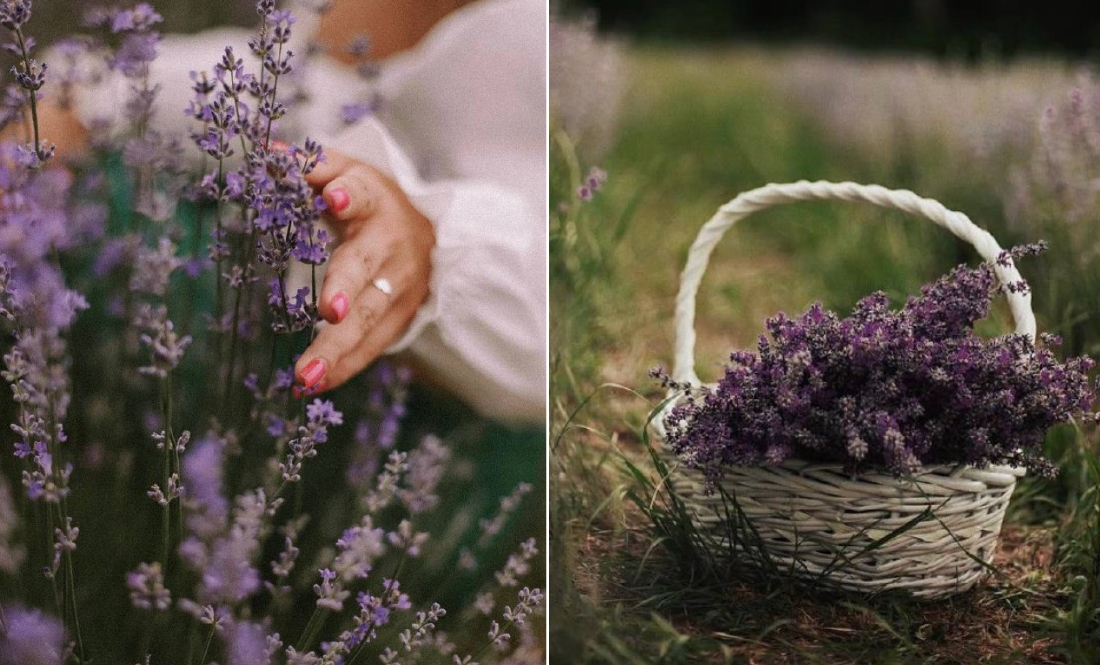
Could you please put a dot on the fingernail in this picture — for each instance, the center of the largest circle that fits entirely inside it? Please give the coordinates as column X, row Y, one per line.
column 340, row 200
column 297, row 392
column 340, row 306
column 313, row 372
column 279, row 145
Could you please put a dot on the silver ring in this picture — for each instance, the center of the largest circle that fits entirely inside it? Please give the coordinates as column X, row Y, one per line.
column 384, row 285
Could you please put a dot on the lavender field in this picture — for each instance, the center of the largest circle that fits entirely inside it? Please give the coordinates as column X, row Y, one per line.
column 1014, row 144
column 169, row 494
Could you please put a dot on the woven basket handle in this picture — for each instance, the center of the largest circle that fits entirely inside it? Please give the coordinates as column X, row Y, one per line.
column 683, row 369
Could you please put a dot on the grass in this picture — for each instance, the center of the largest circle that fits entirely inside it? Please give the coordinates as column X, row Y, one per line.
column 630, row 582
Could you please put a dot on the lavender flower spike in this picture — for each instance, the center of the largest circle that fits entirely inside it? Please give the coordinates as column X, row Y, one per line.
column 147, row 590
column 31, row 638
column 14, row 13
column 247, row 644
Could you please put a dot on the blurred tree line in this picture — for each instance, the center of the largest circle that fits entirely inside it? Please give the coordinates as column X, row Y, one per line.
column 970, row 29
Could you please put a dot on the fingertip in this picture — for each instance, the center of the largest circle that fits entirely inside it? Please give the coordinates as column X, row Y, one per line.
column 338, row 199
column 339, row 307
column 312, row 373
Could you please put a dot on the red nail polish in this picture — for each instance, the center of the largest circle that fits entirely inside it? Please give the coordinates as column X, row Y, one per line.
column 340, row 200
column 297, row 392
column 313, row 372
column 340, row 306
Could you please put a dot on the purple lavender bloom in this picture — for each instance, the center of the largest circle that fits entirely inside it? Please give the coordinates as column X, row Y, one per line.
column 234, row 185
column 359, row 547
column 427, row 465
column 300, row 306
column 398, row 600
column 284, row 379
column 380, row 616
column 375, row 611
column 323, row 414
column 216, row 143
column 330, row 593
column 30, row 76
column 320, row 415
column 299, row 314
column 36, row 489
column 229, row 576
column 194, row 267
column 593, row 182
column 885, row 389
column 31, row 638
column 166, row 346
column 12, row 104
column 275, row 425
column 12, row 555
column 265, row 7
column 247, row 645
column 135, row 53
column 141, row 17
column 378, row 432
column 37, row 223
column 147, row 590
column 203, row 471
column 154, row 267
column 352, row 113
column 34, row 369
column 310, row 251
column 14, row 13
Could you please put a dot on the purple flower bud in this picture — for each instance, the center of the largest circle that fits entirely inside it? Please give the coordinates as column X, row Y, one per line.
column 31, row 638
column 14, row 13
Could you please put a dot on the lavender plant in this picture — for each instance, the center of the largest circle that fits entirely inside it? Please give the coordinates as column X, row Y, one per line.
column 587, row 74
column 1052, row 192
column 195, row 514
column 369, row 100
column 977, row 114
column 886, row 390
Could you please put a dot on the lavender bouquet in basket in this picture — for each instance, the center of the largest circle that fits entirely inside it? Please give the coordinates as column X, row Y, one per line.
column 885, row 390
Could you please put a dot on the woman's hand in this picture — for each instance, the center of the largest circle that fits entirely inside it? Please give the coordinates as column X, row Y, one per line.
column 377, row 276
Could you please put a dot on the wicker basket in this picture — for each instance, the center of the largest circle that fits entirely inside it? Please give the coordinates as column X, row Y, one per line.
column 932, row 534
